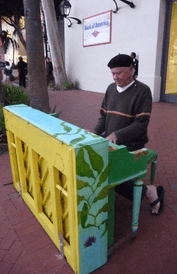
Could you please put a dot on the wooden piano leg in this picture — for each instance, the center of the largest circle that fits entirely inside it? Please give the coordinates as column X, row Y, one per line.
column 153, row 168
column 137, row 192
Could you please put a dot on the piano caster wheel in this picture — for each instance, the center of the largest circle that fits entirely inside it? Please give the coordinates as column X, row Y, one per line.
column 134, row 235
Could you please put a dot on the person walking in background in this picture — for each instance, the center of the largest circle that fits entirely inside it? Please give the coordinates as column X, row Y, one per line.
column 49, row 70
column 135, row 64
column 1, row 78
column 7, row 71
column 22, row 72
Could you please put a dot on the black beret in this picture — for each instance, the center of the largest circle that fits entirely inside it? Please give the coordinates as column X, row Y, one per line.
column 121, row 60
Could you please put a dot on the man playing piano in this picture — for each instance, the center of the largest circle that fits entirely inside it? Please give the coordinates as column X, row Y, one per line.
column 124, row 118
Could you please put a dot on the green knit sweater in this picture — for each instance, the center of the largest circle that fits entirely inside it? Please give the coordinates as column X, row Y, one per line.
column 126, row 114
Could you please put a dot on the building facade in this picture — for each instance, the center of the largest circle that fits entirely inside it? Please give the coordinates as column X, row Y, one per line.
column 144, row 29
column 12, row 54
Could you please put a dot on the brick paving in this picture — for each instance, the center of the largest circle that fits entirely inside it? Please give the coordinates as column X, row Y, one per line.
column 25, row 248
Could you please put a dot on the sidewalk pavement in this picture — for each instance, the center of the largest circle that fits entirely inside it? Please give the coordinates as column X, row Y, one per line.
column 25, row 248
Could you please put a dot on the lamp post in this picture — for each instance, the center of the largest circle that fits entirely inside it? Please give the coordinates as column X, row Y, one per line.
column 63, row 11
column 65, row 8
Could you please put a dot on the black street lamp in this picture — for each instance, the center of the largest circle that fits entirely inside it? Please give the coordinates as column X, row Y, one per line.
column 63, row 11
column 65, row 8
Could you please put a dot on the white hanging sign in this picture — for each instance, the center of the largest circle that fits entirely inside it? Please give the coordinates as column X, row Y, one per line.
column 97, row 29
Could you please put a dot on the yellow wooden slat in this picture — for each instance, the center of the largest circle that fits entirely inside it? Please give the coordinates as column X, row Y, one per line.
column 46, row 172
column 36, row 181
column 72, row 208
column 62, row 190
column 56, row 203
column 67, row 235
column 46, row 197
column 26, row 152
column 21, row 167
column 13, row 159
column 12, row 144
column 65, row 214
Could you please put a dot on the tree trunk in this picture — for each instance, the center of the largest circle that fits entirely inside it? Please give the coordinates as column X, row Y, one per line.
column 20, row 35
column 2, row 98
column 35, row 55
column 54, row 42
column 16, row 26
column 1, row 92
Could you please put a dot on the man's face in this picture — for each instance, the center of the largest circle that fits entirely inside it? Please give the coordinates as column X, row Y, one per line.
column 122, row 75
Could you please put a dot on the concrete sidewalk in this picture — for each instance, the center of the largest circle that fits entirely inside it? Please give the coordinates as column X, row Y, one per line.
column 25, row 248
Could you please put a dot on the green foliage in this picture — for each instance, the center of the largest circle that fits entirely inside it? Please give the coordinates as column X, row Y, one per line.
column 2, row 122
column 15, row 95
column 68, row 85
column 52, row 85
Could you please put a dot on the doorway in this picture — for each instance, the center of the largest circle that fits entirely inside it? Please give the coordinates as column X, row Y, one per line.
column 169, row 93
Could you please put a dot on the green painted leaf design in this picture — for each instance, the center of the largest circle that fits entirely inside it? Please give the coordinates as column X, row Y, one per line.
column 79, row 217
column 56, row 134
column 79, row 199
column 84, row 215
column 107, row 207
column 105, row 229
column 83, row 168
column 75, row 141
column 79, row 129
column 89, row 225
column 81, row 184
column 104, row 175
column 103, row 193
column 95, row 159
column 92, row 134
column 66, row 128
